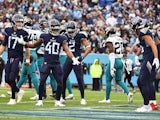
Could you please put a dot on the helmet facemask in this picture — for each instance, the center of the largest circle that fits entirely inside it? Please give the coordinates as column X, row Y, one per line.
column 28, row 23
column 71, row 29
column 43, row 23
column 17, row 21
column 55, row 30
column 54, row 27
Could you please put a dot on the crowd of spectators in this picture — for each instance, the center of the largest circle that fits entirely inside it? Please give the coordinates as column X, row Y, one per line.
column 92, row 16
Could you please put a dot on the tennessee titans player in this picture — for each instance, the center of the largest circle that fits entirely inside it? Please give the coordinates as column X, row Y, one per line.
column 76, row 40
column 150, row 55
column 31, row 69
column 53, row 42
column 15, row 54
column 43, row 23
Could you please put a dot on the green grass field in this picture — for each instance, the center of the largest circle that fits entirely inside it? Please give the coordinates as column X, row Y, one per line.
column 118, row 109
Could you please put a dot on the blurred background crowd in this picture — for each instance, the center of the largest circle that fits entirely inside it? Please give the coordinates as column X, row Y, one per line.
column 93, row 16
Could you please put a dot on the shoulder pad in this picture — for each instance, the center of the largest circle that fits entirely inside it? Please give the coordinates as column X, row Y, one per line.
column 84, row 33
column 144, row 30
column 109, row 39
column 7, row 29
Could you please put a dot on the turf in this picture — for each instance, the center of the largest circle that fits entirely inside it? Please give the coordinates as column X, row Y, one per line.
column 118, row 109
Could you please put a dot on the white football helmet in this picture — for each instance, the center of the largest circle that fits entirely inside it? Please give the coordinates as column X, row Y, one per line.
column 28, row 22
column 109, row 31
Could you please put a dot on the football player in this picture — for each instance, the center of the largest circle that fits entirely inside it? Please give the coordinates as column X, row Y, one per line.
column 15, row 55
column 150, row 58
column 114, row 47
column 53, row 42
column 63, row 57
column 76, row 41
column 30, row 70
column 43, row 23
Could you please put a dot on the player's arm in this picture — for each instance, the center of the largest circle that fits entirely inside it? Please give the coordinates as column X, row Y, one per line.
column 66, row 49
column 87, row 47
column 4, row 42
column 35, row 44
column 137, row 54
column 26, row 44
column 110, row 49
column 27, row 62
column 2, row 48
column 153, row 46
column 157, row 40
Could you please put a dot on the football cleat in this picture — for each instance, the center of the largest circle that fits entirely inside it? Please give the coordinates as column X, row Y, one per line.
column 130, row 97
column 53, row 95
column 3, row 95
column 83, row 102
column 144, row 108
column 20, row 95
column 9, row 93
column 39, row 103
column 70, row 96
column 58, row 104
column 63, row 101
column 34, row 97
column 12, row 102
column 105, row 101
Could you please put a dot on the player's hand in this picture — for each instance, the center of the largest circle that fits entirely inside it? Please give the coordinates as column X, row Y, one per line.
column 79, row 58
column 37, row 72
column 156, row 63
column 21, row 40
column 27, row 62
column 112, row 72
column 75, row 61
column 137, row 60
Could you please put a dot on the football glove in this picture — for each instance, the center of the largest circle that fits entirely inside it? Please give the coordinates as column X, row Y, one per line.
column 156, row 63
column 75, row 61
column 137, row 61
column 27, row 62
column 112, row 72
column 21, row 40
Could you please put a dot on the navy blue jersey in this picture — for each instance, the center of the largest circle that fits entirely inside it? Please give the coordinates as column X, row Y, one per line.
column 146, row 48
column 75, row 44
column 52, row 47
column 15, row 50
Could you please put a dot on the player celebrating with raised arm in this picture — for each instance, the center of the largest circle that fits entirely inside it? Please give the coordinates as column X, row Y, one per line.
column 150, row 56
column 15, row 54
column 76, row 40
column 114, row 45
column 53, row 42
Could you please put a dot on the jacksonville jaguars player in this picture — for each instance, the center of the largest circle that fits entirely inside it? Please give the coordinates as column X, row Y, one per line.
column 150, row 57
column 15, row 54
column 114, row 47
column 30, row 70
column 53, row 42
column 76, row 41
